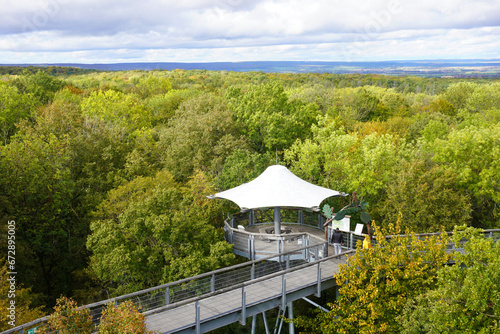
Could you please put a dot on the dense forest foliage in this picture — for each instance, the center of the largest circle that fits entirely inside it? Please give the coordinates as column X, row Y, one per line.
column 51, row 70
column 106, row 174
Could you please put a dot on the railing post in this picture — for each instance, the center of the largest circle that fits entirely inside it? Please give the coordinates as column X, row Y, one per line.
column 197, row 312
column 212, row 283
column 243, row 306
column 283, row 291
column 249, row 248
column 253, row 248
column 318, row 285
column 351, row 237
column 167, row 295
column 288, row 261
column 252, row 271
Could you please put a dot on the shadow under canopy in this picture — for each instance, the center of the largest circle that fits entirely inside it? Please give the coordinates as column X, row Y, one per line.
column 277, row 187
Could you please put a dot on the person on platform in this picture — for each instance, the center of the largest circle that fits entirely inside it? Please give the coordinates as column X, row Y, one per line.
column 337, row 240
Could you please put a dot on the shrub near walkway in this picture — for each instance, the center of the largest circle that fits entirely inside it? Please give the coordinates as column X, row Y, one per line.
column 69, row 319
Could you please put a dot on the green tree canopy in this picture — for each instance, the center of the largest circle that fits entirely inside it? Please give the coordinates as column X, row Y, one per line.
column 268, row 118
column 376, row 283
column 13, row 107
column 200, row 135
column 37, row 188
column 151, row 231
column 40, row 85
column 466, row 296
column 425, row 199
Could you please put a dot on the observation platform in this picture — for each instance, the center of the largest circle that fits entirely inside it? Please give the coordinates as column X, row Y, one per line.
column 252, row 234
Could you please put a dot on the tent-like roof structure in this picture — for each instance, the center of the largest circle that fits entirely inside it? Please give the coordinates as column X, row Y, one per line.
column 277, row 187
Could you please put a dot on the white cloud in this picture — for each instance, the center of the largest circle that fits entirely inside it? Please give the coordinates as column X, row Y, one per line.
column 236, row 30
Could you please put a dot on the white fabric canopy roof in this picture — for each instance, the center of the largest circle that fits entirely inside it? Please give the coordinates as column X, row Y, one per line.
column 277, row 187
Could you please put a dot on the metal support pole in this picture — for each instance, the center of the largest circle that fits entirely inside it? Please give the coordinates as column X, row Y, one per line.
column 281, row 321
column 167, row 295
column 252, row 271
column 265, row 322
column 351, row 241
column 243, row 306
column 291, row 327
column 278, row 319
column 197, row 311
column 254, row 323
column 318, row 287
column 315, row 304
column 283, row 292
column 212, row 283
column 277, row 221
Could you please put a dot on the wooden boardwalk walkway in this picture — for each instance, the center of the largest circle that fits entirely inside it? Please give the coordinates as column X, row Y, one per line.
column 251, row 298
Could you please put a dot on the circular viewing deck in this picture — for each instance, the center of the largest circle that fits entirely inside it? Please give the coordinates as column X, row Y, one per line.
column 302, row 232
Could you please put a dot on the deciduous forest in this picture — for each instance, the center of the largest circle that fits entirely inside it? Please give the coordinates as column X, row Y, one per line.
column 106, row 173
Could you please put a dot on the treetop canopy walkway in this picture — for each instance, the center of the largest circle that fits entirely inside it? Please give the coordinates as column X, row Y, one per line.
column 214, row 299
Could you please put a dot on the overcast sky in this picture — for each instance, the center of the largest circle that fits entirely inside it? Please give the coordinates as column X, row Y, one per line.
column 110, row 31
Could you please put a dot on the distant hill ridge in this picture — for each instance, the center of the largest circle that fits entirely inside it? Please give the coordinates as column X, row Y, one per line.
column 483, row 67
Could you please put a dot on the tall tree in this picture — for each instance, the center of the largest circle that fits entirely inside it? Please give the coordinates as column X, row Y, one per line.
column 377, row 282
column 13, row 108
column 268, row 118
column 200, row 135
column 466, row 298
column 151, row 231
column 426, row 198
column 37, row 188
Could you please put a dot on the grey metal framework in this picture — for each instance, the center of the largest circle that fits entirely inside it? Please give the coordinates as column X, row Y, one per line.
column 174, row 294
column 233, row 293
column 240, row 230
column 247, row 299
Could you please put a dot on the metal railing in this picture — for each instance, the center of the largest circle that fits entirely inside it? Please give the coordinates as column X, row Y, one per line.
column 197, row 286
column 192, row 288
column 259, row 245
column 282, row 292
column 292, row 216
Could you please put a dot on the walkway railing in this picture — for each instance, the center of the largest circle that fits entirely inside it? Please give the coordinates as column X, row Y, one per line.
column 249, row 297
column 260, row 245
column 194, row 287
